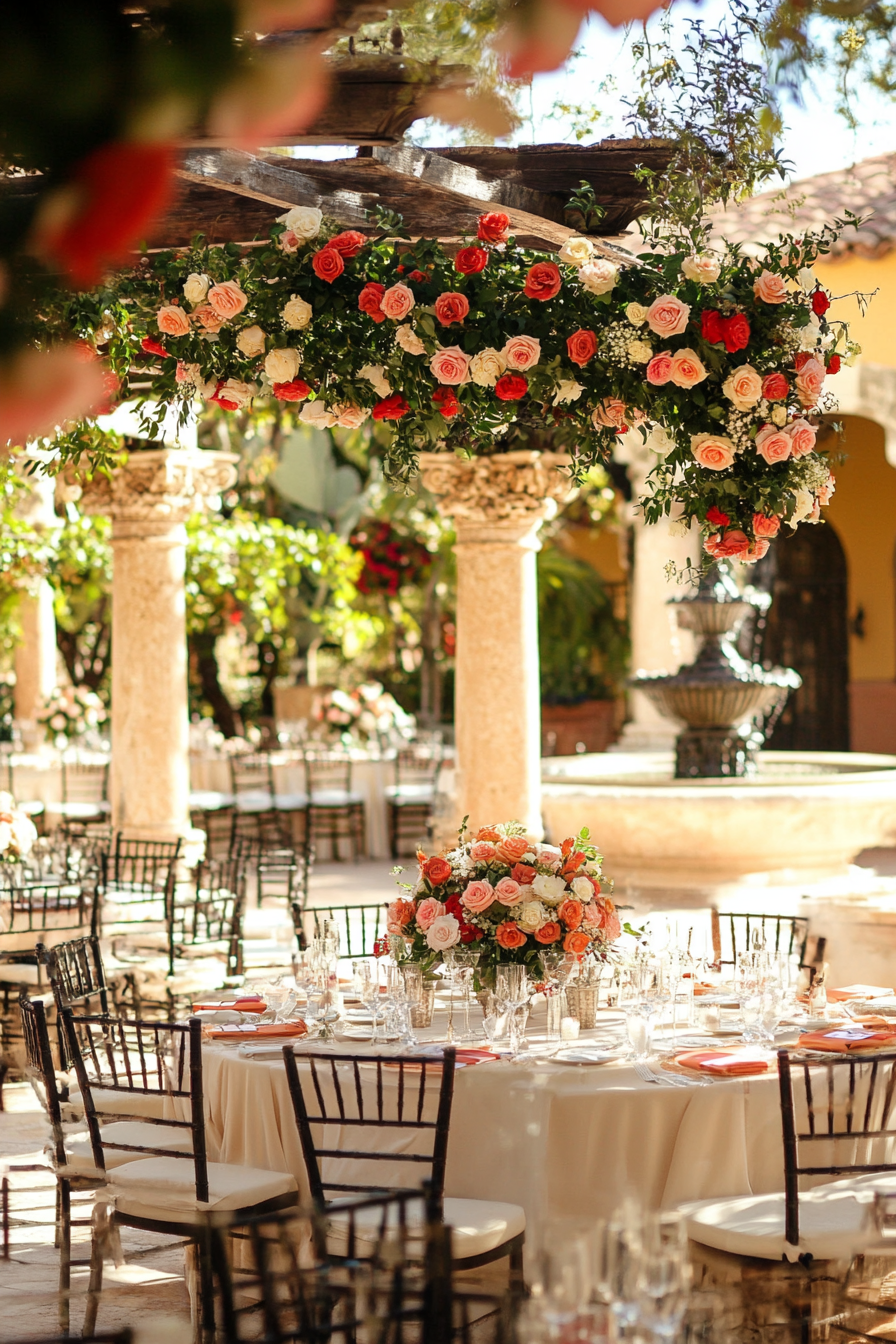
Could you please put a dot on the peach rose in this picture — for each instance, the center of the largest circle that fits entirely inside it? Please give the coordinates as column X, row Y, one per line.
column 576, row 943
column 549, row 932
column 400, row 912
column 773, row 445
column 250, row 342
column 824, row 494
column 451, row 307
column 173, row 321
column 478, row 897
column 732, row 544
column 207, row 318
column 450, row 366
column 612, row 929
column 713, row 451
column 349, row 416
column 702, row 267
column 443, row 932
column 507, row 891
column 668, row 316
column 510, row 936
column 521, row 352
column 755, row 551
column 687, row 369
column 488, row 833
column 763, row 526
column 802, row 437
column 743, row 387
column 592, row 915
column 397, row 302
column 512, row 848
column 570, row 913
column 659, row 370
column 810, row 381
column 611, row 412
column 482, row 851
column 227, row 299
column 427, row 911
column 770, row 288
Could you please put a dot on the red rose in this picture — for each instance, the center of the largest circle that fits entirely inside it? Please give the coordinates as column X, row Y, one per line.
column 418, row 276
column 801, row 358
column 511, row 386
column 543, row 281
column 111, row 388
column 775, row 387
column 153, row 347
column 523, row 873
column 711, row 326
column 436, row 870
column 471, row 260
column 581, row 346
column 820, row 303
column 369, row 300
column 294, row 391
column 327, row 264
column 446, row 400
column 493, row 227
column 451, row 307
column 834, row 364
column 735, row 332
column 715, row 515
column 391, row 408
column 348, row 244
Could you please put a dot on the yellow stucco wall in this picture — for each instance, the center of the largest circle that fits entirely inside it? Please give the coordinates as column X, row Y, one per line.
column 876, row 331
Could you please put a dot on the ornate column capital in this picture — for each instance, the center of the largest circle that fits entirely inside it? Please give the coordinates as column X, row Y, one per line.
column 497, row 499
column 155, row 490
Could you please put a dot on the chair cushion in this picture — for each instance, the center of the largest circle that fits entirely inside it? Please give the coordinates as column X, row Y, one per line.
column 136, row 1132
column 80, row 811
column 259, row 801
column 410, row 795
column 477, row 1226
column 334, row 798
column 31, row 807
column 20, row 972
column 124, row 1102
column 290, row 802
column 207, row 800
column 163, row 1188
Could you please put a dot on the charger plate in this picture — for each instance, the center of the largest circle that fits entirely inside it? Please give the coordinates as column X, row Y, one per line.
column 583, row 1057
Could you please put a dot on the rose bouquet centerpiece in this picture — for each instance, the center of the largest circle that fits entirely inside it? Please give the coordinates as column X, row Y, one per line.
column 17, row 831
column 512, row 897
column 71, row 712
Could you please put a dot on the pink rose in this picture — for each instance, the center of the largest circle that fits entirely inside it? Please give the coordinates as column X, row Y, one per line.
column 227, row 299
column 743, row 387
column 668, row 316
column 732, row 545
column 611, row 412
column 810, row 381
column 478, row 896
column 823, row 496
column 450, row 366
column 773, row 445
column 755, row 551
column 687, row 369
column 770, row 288
column 443, row 932
column 713, row 451
column 763, row 526
column 659, row 370
column 612, row 929
column 521, row 352
column 397, row 302
column 427, row 911
column 802, row 437
column 508, row 891
column 482, row 851
column 173, row 320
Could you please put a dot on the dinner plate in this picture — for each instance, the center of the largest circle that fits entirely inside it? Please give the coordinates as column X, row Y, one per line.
column 583, row 1057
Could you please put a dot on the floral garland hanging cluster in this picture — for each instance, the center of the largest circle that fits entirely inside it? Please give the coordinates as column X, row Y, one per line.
column 718, row 361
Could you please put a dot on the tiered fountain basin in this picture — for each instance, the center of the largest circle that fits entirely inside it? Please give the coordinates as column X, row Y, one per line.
column 790, row 829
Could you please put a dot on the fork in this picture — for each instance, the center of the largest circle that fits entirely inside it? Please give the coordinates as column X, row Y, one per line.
column 672, row 1080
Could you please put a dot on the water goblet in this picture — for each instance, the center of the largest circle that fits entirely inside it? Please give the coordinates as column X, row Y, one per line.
column 466, row 959
column 449, row 971
column 512, row 994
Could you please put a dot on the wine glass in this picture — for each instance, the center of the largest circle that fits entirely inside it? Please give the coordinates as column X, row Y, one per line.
column 512, row 994
column 466, row 959
column 369, row 994
column 449, row 970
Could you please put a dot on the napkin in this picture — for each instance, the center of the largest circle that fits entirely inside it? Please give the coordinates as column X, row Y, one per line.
column 847, row 1040
column 857, row 992
column 726, row 1063
column 249, row 1003
column 248, row 1031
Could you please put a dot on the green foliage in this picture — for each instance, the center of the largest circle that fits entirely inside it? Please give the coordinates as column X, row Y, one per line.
column 80, row 572
column 583, row 646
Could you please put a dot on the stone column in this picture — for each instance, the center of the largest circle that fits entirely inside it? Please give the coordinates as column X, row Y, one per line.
column 498, row 504
column 149, row 500
column 35, row 657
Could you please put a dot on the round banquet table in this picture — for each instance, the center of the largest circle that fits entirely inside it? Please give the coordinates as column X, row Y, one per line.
column 562, row 1141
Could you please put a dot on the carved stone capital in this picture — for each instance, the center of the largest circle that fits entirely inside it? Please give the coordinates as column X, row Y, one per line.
column 155, row 490
column 500, row 498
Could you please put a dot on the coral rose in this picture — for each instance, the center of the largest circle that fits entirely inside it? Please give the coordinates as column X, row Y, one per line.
column 659, row 370
column 773, row 445
column 743, row 387
column 732, row 544
column 570, row 913
column 488, row 833
column 478, row 896
column 810, row 381
column 775, row 387
column 483, row 851
column 507, row 891
column 390, row 408
column 370, row 299
column 713, row 451
column 295, row 390
column 450, row 365
column 701, row 267
column 549, row 932
column 400, row 912
column 348, row 244
column 297, row 313
column 687, row 369
column 599, row 276
column 543, row 281
column 327, row 264
column 763, row 526
column 523, row 873
column 446, row 402
column 581, row 346
column 512, row 848
column 451, row 308
column 227, row 299
column 428, row 910
column 576, row 943
column 486, row 367
column 443, row 932
column 756, row 551
column 802, row 437
column 493, row 227
column 668, row 316
column 770, row 288
column 173, row 321
column 471, row 260
column 510, row 936
column 521, row 352
column 511, row 387
column 397, row 302
column 436, row 870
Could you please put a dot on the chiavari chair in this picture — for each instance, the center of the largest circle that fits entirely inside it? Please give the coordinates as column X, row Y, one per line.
column 410, row 799
column 210, row 922
column 782, row 935
column 85, row 791
column 139, row 885
column 335, row 810
column 358, row 926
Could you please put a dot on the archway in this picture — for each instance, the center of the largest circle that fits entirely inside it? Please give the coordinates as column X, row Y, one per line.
column 807, row 629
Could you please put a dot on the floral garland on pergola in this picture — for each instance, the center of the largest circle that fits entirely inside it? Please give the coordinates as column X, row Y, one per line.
column 718, row 360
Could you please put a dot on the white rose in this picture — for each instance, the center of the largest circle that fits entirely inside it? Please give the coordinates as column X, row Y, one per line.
column 5, row 836
column 582, row 889
column 532, row 916
column 349, row 417
column 641, row 352
column 805, row 505
column 250, row 342
column 806, row 277
column 636, row 314
column 525, row 893
column 237, row 392
column 576, row 251
column 24, row 832
column 302, row 220
column 196, row 288
column 551, row 890
column 659, row 440
column 779, row 415
column 315, row 413
column 297, row 313
column 599, row 276
column 407, row 338
column 567, row 390
column 679, row 527
column 702, row 267
column 810, row 334
column 487, row 366
column 59, row 723
column 375, row 375
column 443, row 933
column 282, row 366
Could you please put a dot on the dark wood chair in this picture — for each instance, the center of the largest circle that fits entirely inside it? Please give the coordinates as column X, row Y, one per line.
column 358, row 926
column 787, row 935
column 210, row 923
column 382, row 1098
column 85, row 791
column 410, row 799
column 335, row 811
column 139, row 885
column 125, row 1336
column 164, row 1185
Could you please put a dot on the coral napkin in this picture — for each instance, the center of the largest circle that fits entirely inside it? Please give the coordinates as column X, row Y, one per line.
column 728, row 1063
column 248, row 1031
column 249, row 1003
column 857, row 992
column 847, row 1040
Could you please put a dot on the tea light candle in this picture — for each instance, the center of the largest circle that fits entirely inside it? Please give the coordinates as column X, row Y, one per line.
column 569, row 1028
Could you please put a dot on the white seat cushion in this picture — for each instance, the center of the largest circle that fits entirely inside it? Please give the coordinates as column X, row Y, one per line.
column 206, row 800
column 163, row 1188
column 80, row 811
column 334, row 798
column 290, row 802
column 20, row 972
column 122, row 1103
column 31, row 807
column 407, row 795
column 477, row 1226
column 254, row 802
column 135, row 1132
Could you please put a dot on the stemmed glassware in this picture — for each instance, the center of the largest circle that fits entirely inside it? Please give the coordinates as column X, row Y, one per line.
column 466, row 959
column 512, row 994
column 450, row 967
column 369, row 994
